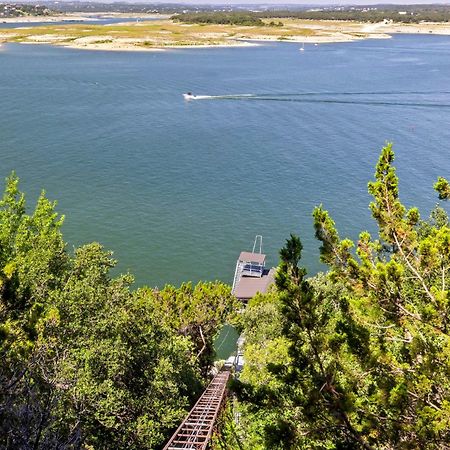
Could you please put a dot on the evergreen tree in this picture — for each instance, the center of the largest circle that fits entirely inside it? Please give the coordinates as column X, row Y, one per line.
column 86, row 361
column 368, row 342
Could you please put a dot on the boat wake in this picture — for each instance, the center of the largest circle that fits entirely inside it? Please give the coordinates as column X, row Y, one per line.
column 424, row 99
column 216, row 97
column 356, row 102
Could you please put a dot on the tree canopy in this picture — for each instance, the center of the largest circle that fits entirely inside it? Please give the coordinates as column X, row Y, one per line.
column 88, row 362
column 357, row 357
column 361, row 354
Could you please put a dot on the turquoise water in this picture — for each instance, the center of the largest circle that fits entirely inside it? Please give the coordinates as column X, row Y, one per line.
column 225, row 342
column 177, row 189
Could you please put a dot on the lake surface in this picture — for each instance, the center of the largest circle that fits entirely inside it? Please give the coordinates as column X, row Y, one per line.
column 177, row 189
column 91, row 20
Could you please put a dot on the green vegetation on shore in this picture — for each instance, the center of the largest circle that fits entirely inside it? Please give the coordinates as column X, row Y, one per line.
column 377, row 13
column 22, row 10
column 357, row 357
column 220, row 17
column 87, row 362
column 367, row 13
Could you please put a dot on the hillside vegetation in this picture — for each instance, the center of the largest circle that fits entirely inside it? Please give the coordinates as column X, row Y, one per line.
column 373, row 14
column 88, row 362
column 357, row 357
column 222, row 18
column 21, row 10
column 369, row 13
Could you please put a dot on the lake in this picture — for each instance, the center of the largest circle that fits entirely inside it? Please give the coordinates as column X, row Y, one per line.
column 88, row 20
column 177, row 189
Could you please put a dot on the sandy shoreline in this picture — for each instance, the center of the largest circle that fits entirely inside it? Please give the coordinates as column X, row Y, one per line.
column 133, row 46
column 164, row 34
column 406, row 28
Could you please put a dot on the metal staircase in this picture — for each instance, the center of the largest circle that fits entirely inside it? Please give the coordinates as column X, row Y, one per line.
column 197, row 428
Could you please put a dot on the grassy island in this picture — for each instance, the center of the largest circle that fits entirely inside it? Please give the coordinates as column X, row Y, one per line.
column 168, row 33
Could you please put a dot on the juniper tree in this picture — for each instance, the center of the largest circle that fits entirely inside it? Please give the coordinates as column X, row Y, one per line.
column 368, row 342
column 86, row 361
column 398, row 291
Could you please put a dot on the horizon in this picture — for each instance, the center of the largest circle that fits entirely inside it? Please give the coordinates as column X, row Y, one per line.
column 256, row 4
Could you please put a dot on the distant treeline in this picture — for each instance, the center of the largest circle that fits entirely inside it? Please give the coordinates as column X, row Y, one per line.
column 402, row 13
column 236, row 15
column 221, row 17
column 18, row 10
column 406, row 14
column 122, row 7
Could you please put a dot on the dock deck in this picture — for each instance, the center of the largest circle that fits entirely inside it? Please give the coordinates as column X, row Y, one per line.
column 251, row 275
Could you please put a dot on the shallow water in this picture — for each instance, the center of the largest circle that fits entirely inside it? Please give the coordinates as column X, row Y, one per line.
column 177, row 189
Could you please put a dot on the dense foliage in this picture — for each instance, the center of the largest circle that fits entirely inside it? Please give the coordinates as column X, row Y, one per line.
column 86, row 361
column 375, row 13
column 442, row 186
column 394, row 13
column 220, row 17
column 358, row 357
column 21, row 10
column 354, row 358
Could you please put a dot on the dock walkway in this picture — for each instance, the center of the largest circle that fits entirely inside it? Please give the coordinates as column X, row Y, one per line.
column 197, row 428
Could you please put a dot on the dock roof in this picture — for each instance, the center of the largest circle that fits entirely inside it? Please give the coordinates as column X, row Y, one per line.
column 252, row 257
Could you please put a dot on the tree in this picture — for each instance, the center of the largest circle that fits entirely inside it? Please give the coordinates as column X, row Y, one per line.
column 398, row 294
column 442, row 186
column 197, row 312
column 368, row 342
column 32, row 261
column 86, row 361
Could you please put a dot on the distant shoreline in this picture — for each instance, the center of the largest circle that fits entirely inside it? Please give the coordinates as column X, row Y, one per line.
column 162, row 34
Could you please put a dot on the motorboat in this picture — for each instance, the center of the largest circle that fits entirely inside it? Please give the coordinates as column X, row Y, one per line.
column 189, row 96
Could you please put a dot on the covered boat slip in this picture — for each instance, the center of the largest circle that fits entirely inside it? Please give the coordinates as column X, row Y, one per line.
column 251, row 275
column 253, row 264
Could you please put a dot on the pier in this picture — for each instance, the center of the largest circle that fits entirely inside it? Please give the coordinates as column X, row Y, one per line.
column 197, row 428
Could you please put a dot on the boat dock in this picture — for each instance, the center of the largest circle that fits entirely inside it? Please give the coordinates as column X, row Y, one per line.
column 251, row 275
